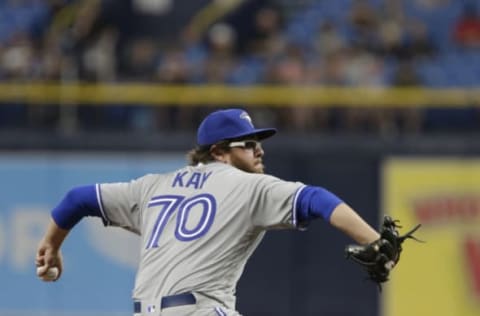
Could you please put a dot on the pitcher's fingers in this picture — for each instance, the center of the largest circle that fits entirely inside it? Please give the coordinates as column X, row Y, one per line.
column 50, row 261
column 41, row 251
column 39, row 262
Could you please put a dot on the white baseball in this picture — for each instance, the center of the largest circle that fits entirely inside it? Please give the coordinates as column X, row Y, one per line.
column 50, row 275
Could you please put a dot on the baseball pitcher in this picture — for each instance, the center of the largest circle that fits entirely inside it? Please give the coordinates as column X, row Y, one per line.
column 200, row 224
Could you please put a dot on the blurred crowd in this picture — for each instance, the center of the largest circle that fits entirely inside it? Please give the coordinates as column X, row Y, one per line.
column 379, row 43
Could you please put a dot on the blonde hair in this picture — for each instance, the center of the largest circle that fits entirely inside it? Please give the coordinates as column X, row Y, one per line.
column 203, row 154
column 199, row 155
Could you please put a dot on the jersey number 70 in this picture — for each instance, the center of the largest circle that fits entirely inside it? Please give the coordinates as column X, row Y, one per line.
column 182, row 206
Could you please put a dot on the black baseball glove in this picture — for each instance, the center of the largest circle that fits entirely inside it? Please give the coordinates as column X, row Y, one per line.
column 379, row 257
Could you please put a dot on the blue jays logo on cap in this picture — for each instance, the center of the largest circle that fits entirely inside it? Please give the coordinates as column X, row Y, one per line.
column 229, row 124
column 245, row 116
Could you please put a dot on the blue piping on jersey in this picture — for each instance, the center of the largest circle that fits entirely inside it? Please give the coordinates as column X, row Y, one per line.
column 77, row 203
column 314, row 202
column 295, row 208
column 105, row 219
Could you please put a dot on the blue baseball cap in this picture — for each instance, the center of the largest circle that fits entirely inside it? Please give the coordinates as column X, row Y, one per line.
column 229, row 124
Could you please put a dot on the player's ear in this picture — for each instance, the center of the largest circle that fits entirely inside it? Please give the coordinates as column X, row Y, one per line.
column 218, row 153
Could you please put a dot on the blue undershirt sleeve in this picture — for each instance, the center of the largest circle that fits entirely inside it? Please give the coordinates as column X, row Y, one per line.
column 77, row 203
column 314, row 202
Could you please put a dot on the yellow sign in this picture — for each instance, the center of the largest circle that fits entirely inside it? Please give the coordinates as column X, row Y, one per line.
column 442, row 276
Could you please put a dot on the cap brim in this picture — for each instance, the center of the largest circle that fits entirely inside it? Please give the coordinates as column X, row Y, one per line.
column 260, row 133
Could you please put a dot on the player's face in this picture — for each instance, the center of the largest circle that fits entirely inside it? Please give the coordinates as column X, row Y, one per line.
column 246, row 155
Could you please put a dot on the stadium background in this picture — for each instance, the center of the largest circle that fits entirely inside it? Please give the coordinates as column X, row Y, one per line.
column 376, row 100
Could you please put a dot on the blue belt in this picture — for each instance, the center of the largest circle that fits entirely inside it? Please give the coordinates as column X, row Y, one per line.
column 169, row 301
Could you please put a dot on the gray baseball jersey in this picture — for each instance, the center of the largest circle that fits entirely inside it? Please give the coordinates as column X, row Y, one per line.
column 199, row 225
